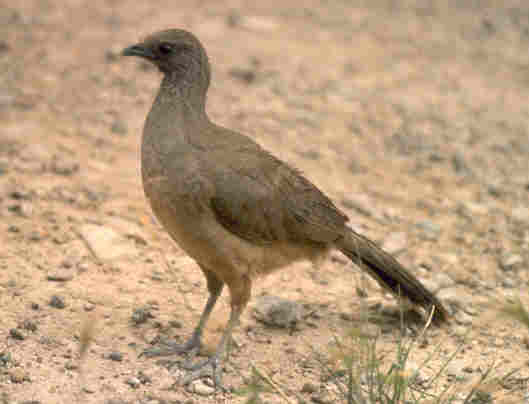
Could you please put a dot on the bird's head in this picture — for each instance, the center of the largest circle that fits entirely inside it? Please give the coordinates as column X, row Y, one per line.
column 176, row 52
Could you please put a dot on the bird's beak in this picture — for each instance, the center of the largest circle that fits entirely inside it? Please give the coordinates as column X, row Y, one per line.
column 138, row 50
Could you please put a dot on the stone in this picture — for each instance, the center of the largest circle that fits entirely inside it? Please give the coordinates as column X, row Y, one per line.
column 17, row 375
column 105, row 243
column 200, row 388
column 510, row 261
column 57, row 302
column 277, row 312
column 133, row 382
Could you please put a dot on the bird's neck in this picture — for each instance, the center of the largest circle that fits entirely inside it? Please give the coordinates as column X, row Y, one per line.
column 177, row 116
column 184, row 97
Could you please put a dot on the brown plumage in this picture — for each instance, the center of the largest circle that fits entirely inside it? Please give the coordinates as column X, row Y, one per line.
column 238, row 211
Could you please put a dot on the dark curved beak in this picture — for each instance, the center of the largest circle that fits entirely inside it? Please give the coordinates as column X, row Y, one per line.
column 138, row 50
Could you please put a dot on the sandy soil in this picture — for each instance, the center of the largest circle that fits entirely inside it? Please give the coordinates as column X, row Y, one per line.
column 413, row 118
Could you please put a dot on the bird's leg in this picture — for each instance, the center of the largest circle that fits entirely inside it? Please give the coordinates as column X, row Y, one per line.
column 240, row 294
column 193, row 344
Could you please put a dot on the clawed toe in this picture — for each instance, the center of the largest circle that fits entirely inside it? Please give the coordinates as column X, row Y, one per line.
column 211, row 367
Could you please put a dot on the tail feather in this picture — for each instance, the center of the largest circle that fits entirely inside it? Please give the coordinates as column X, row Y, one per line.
column 391, row 275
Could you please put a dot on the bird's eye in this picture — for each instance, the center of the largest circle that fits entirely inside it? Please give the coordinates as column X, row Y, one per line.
column 165, row 48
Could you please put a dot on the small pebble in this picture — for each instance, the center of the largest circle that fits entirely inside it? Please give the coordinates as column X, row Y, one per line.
column 200, row 388
column 16, row 334
column 70, row 365
column 509, row 262
column 17, row 375
column 115, row 356
column 5, row 358
column 57, row 302
column 133, row 382
column 89, row 389
column 460, row 331
column 141, row 315
column 463, row 318
column 309, row 388
column 119, row 127
column 29, row 325
column 144, row 379
column 60, row 275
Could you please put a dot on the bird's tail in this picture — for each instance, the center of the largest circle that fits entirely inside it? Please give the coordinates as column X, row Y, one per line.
column 389, row 273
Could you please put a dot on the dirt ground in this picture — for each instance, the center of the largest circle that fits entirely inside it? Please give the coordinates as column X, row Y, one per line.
column 412, row 115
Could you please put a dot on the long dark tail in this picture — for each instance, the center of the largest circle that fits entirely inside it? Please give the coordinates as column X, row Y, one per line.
column 389, row 273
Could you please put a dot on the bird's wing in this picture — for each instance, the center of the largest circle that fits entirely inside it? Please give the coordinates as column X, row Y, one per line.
column 263, row 200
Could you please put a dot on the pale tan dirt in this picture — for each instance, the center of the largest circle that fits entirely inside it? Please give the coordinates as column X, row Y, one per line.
column 404, row 113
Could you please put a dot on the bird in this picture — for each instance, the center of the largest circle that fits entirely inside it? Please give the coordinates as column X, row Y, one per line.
column 237, row 210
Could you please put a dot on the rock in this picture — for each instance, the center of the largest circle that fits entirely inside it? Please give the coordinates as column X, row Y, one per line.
column 395, row 243
column 28, row 325
column 443, row 280
column 309, row 388
column 141, row 315
column 60, row 275
column 4, row 46
column 510, row 262
column 133, row 382
column 459, row 164
column 16, row 334
column 144, row 378
column 5, row 358
column 57, row 302
column 23, row 209
column 457, row 295
column 277, row 312
column 115, row 356
column 509, row 283
column 113, row 53
column 246, row 75
column 321, row 399
column 89, row 389
column 119, row 127
column 463, row 318
column 71, row 365
column 17, row 375
column 128, row 228
column 200, row 388
column 13, row 229
column 37, row 235
column 438, row 281
column 105, row 243
column 21, row 195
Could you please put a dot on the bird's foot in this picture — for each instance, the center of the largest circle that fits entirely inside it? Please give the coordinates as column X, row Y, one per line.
column 167, row 348
column 211, row 367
